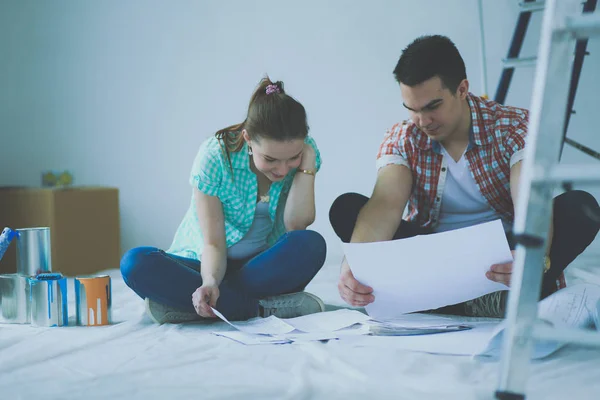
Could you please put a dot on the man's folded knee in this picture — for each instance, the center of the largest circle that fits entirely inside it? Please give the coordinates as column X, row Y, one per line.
column 589, row 206
column 579, row 206
column 348, row 198
column 577, row 198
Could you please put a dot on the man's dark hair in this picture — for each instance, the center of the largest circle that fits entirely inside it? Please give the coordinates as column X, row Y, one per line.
column 430, row 56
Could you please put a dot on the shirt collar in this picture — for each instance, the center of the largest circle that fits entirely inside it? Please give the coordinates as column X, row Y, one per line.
column 240, row 159
column 482, row 131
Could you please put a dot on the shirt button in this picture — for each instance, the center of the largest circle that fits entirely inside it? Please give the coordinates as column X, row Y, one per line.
column 437, row 199
column 444, row 169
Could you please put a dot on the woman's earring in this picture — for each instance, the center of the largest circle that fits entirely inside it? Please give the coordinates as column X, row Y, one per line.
column 249, row 150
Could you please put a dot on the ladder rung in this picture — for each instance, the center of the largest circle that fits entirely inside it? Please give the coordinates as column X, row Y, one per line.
column 532, row 6
column 519, row 62
column 566, row 335
column 582, row 148
column 583, row 26
column 589, row 173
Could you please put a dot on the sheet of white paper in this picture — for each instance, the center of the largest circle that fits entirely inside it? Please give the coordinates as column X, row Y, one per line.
column 308, row 337
column 328, row 321
column 463, row 343
column 493, row 349
column 315, row 327
column 429, row 271
column 251, row 339
column 262, row 326
column 419, row 321
column 354, row 330
column 575, row 306
column 469, row 342
column 352, row 323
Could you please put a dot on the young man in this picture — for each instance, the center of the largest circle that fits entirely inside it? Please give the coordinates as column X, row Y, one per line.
column 456, row 163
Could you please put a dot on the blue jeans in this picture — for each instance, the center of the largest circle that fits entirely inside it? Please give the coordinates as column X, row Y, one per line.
column 287, row 267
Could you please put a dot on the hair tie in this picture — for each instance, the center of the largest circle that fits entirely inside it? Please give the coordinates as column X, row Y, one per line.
column 273, row 89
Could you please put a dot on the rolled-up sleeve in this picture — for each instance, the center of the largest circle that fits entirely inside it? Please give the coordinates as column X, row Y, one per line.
column 514, row 144
column 311, row 141
column 207, row 170
column 392, row 149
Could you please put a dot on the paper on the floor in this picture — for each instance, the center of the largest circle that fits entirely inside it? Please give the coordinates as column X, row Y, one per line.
column 392, row 330
column 575, row 306
column 354, row 330
column 420, row 320
column 259, row 326
column 313, row 327
column 416, row 324
column 327, row 321
column 429, row 271
column 308, row 337
column 251, row 339
column 464, row 343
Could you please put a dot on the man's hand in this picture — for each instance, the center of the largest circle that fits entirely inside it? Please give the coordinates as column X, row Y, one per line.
column 352, row 291
column 501, row 273
column 377, row 221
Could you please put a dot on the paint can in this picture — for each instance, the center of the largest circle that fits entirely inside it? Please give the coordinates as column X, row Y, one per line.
column 49, row 300
column 5, row 238
column 33, row 251
column 93, row 300
column 15, row 303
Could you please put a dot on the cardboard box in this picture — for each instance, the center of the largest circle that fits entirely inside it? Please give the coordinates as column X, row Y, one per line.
column 83, row 221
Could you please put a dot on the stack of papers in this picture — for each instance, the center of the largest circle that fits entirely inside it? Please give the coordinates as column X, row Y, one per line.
column 395, row 330
column 576, row 306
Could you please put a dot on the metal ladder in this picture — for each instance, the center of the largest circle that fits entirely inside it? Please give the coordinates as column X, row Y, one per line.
column 563, row 24
column 513, row 60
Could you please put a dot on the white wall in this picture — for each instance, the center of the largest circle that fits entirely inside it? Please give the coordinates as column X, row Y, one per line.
column 123, row 92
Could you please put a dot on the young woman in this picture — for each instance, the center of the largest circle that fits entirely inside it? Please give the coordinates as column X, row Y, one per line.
column 242, row 247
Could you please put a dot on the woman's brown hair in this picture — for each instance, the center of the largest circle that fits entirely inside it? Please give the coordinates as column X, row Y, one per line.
column 272, row 114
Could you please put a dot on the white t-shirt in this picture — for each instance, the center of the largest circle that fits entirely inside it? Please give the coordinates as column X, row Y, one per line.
column 463, row 204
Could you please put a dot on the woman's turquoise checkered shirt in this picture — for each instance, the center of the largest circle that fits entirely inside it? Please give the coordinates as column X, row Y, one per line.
column 212, row 175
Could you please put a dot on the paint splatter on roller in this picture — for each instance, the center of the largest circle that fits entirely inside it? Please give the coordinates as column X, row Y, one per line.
column 5, row 239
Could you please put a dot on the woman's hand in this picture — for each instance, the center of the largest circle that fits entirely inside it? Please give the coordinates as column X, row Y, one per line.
column 204, row 298
column 309, row 158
